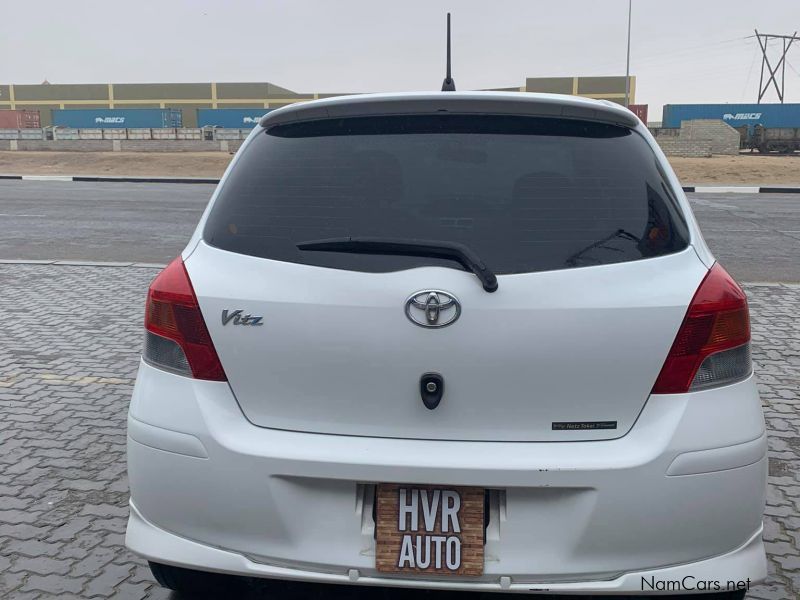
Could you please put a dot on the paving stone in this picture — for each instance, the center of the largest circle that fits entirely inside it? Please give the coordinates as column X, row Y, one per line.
column 771, row 592
column 19, row 595
column 94, row 562
column 140, row 573
column 158, row 593
column 68, row 530
column 32, row 548
column 15, row 517
column 789, row 563
column 41, row 565
column 54, row 584
column 105, row 510
column 10, row 582
column 131, row 591
column 109, row 578
column 23, row 531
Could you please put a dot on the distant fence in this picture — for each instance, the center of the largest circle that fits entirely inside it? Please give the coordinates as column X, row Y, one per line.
column 165, row 133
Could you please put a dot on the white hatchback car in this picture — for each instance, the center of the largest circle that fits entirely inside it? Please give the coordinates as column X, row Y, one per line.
column 468, row 341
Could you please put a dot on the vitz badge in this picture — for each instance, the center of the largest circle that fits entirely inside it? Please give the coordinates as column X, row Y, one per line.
column 238, row 318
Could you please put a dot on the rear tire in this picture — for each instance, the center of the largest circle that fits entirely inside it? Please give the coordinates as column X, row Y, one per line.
column 194, row 584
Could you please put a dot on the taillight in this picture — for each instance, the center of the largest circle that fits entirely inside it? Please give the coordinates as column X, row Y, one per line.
column 177, row 338
column 712, row 347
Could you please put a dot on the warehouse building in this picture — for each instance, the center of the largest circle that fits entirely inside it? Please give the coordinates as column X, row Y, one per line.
column 603, row 88
column 188, row 97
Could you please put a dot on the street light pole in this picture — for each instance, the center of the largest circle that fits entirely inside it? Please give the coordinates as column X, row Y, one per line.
column 628, row 61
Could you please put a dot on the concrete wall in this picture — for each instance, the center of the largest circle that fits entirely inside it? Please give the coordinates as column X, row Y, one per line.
column 702, row 137
column 156, row 133
column 674, row 146
column 100, row 145
column 724, row 138
column 171, row 146
column 64, row 145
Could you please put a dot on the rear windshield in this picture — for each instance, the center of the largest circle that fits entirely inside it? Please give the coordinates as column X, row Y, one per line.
column 526, row 194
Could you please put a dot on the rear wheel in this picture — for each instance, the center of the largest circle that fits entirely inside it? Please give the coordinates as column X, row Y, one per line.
column 195, row 583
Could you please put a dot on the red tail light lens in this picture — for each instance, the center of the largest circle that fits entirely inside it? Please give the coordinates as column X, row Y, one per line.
column 712, row 347
column 177, row 337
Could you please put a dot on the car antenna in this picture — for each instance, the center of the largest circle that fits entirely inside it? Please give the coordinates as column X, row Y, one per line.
column 448, row 85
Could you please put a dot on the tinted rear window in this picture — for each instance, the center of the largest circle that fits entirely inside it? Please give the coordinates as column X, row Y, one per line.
column 527, row 194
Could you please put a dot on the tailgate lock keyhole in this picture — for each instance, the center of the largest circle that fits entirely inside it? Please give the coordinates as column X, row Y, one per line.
column 431, row 388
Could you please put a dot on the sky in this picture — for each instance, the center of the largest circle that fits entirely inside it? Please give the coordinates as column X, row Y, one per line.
column 681, row 50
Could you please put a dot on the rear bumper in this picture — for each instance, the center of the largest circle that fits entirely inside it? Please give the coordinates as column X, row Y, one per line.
column 144, row 538
column 685, row 487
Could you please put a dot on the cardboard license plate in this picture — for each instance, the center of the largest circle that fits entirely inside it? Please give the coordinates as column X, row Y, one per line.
column 429, row 530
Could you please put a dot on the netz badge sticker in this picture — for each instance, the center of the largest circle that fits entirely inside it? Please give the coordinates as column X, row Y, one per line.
column 583, row 425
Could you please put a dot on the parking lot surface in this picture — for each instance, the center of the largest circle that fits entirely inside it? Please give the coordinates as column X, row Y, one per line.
column 68, row 360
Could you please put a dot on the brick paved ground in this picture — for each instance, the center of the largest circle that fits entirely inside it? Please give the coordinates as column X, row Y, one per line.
column 68, row 355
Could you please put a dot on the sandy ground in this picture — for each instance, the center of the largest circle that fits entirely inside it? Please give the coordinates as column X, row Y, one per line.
column 167, row 164
column 744, row 169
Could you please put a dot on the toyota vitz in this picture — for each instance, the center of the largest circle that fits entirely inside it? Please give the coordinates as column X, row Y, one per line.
column 467, row 341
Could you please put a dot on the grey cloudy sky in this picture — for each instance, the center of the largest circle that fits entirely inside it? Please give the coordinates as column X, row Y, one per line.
column 682, row 50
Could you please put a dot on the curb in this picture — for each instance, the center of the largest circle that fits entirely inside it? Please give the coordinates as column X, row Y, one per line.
column 104, row 178
column 146, row 179
column 694, row 189
column 81, row 263
column 740, row 189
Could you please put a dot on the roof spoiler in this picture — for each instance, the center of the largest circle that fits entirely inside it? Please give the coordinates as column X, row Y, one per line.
column 476, row 103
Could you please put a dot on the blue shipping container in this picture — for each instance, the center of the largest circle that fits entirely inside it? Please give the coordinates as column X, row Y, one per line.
column 105, row 118
column 735, row 115
column 230, row 118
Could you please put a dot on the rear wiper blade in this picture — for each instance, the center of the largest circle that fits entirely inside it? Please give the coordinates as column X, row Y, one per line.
column 572, row 261
column 405, row 247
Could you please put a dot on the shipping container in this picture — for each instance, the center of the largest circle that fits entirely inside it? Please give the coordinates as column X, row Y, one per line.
column 20, row 119
column 640, row 110
column 230, row 118
column 735, row 115
column 104, row 118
